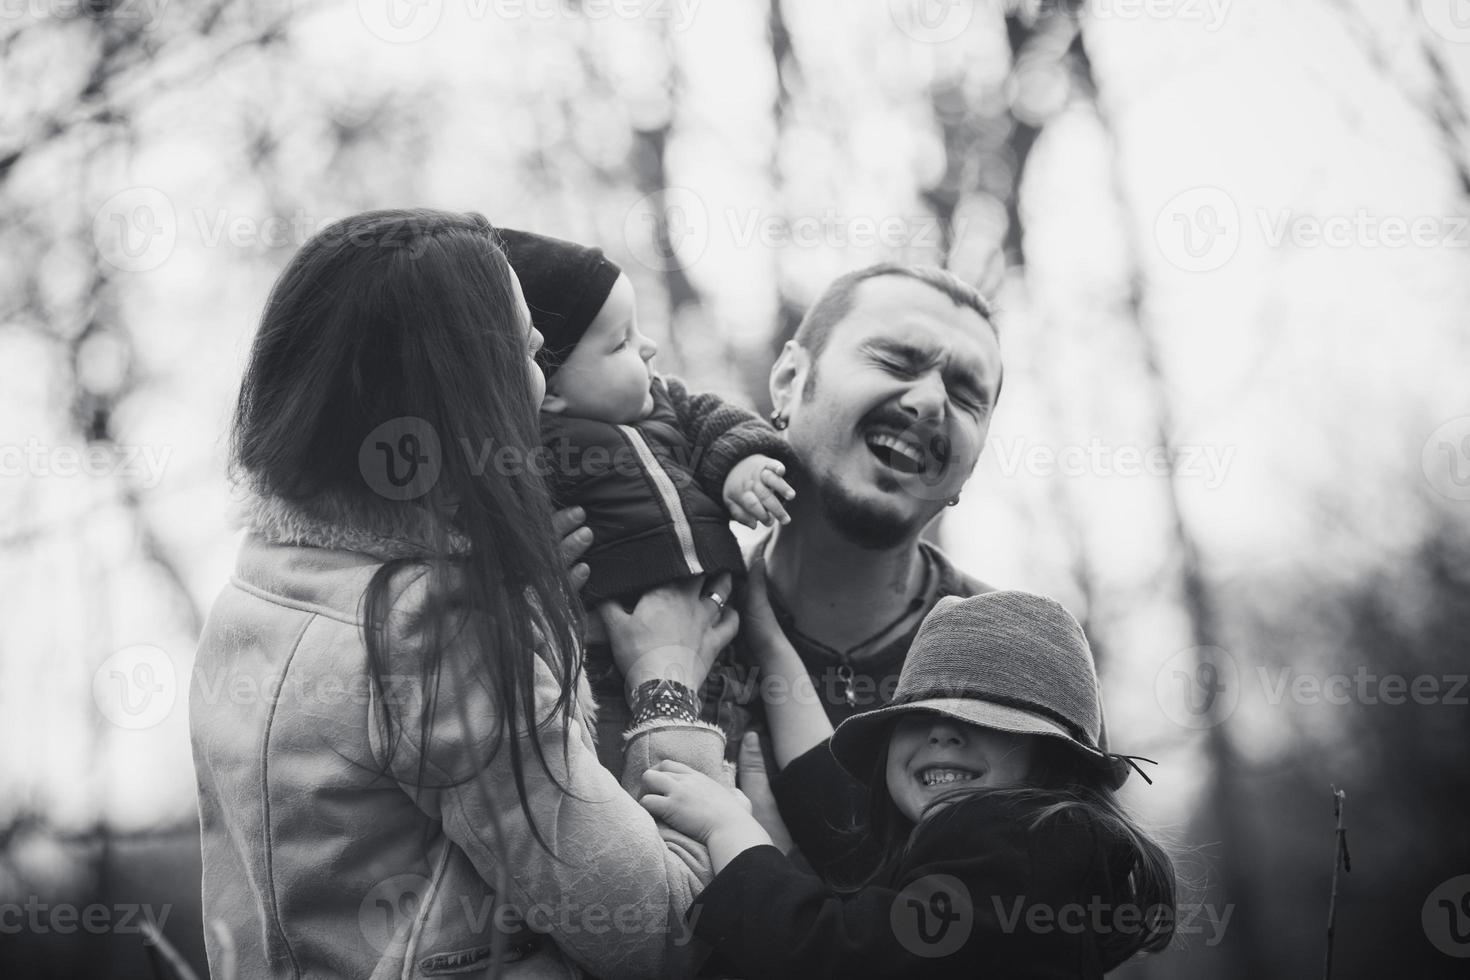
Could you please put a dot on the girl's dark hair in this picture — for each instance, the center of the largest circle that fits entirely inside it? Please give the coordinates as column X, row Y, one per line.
column 401, row 315
column 1061, row 787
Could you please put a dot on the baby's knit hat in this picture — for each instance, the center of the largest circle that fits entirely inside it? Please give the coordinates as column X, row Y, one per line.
column 565, row 286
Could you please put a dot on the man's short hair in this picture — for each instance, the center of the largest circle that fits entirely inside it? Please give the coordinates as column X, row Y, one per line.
column 835, row 303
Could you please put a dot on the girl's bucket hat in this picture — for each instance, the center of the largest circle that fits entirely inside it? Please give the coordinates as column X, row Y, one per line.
column 1012, row 661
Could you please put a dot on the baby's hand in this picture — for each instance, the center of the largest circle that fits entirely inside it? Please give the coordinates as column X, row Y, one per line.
column 691, row 802
column 754, row 491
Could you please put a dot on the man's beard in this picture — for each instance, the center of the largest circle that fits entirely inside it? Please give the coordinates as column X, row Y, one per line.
column 865, row 525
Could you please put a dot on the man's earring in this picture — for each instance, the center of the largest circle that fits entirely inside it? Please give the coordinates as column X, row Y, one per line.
column 953, row 500
column 778, row 420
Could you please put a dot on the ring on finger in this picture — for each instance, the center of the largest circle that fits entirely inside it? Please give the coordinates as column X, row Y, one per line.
column 719, row 600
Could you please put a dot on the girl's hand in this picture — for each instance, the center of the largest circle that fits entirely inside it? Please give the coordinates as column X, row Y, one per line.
column 794, row 708
column 575, row 539
column 756, row 785
column 768, row 641
column 755, row 491
column 693, row 804
column 674, row 632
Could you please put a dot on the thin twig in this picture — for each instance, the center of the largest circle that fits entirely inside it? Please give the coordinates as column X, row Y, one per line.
column 1341, row 859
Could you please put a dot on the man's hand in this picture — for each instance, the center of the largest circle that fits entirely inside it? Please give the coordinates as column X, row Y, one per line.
column 755, row 489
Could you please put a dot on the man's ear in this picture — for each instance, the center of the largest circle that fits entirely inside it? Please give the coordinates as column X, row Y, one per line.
column 553, row 403
column 788, row 375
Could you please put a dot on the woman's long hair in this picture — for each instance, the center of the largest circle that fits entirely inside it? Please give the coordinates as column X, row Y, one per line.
column 1060, row 787
column 411, row 315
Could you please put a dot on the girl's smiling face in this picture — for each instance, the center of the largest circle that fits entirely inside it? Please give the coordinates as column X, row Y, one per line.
column 607, row 376
column 930, row 755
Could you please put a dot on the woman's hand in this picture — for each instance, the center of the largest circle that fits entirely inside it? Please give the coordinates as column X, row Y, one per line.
column 674, row 632
column 575, row 539
column 693, row 804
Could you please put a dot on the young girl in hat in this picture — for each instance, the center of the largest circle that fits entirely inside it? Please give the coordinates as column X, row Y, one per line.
column 1002, row 847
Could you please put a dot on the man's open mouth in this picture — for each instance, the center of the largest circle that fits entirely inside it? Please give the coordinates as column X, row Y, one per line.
column 906, row 454
column 944, row 775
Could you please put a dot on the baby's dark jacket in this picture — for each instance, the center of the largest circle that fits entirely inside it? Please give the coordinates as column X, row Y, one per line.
column 978, row 894
column 652, row 489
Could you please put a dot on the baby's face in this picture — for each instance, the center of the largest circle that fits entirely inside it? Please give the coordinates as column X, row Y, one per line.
column 607, row 376
column 930, row 755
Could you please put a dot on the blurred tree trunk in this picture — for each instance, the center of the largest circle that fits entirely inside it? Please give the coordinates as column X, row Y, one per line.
column 651, row 177
column 1221, row 821
column 754, row 376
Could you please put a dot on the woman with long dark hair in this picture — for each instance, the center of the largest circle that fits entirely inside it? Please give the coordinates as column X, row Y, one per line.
column 391, row 731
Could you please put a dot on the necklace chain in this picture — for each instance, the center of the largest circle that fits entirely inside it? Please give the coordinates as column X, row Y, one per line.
column 845, row 671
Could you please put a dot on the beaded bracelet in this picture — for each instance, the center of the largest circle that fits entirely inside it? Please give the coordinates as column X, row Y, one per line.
column 664, row 699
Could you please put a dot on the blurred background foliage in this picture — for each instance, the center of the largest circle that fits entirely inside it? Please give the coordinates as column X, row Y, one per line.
column 1134, row 183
